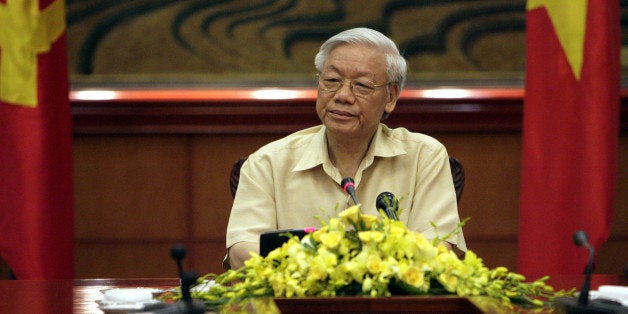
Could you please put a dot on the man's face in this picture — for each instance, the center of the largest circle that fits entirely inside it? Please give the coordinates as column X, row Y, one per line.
column 354, row 112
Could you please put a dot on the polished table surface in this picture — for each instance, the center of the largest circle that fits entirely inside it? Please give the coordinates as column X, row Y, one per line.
column 66, row 296
column 80, row 295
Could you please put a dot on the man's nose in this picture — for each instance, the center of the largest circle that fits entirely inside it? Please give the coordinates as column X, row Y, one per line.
column 345, row 91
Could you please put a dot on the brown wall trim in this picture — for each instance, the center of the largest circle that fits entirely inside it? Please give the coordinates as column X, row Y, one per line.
column 264, row 110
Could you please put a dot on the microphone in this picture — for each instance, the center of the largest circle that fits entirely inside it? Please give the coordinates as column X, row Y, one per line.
column 177, row 252
column 582, row 305
column 187, row 305
column 580, row 238
column 348, row 185
column 388, row 203
column 188, row 279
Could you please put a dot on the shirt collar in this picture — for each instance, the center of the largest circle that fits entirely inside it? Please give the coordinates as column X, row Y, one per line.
column 316, row 152
column 383, row 145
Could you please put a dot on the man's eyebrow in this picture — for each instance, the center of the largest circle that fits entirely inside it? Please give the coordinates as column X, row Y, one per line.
column 363, row 74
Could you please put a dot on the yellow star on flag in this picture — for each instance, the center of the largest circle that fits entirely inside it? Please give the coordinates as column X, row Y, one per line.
column 569, row 20
column 26, row 32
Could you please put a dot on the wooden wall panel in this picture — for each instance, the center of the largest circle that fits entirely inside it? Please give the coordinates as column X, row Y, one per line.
column 492, row 165
column 108, row 247
column 212, row 160
column 130, row 187
column 496, row 252
column 612, row 257
column 124, row 259
column 206, row 256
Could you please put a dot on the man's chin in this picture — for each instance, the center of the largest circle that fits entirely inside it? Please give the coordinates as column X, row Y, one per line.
column 341, row 129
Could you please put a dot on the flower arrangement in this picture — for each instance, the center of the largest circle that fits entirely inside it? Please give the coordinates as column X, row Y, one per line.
column 356, row 254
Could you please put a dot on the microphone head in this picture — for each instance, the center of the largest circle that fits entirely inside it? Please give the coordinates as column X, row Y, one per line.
column 178, row 251
column 388, row 203
column 348, row 186
column 347, row 183
column 580, row 238
column 385, row 199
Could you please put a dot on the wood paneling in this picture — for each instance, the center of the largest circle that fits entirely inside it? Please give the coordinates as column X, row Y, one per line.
column 130, row 187
column 212, row 158
column 492, row 165
column 121, row 259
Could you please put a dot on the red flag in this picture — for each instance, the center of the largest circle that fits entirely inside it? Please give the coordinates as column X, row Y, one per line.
column 36, row 214
column 570, row 132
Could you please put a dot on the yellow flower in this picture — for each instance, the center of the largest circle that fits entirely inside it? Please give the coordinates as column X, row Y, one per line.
column 331, row 239
column 397, row 228
column 302, row 261
column 346, row 246
column 350, row 215
column 329, row 259
column 374, row 264
column 415, row 277
column 318, row 270
column 449, row 281
column 446, row 262
column 442, row 248
column 370, row 221
column 471, row 259
column 316, row 235
column 336, row 225
column 367, row 284
column 356, row 268
column 371, row 236
column 421, row 241
column 497, row 272
column 279, row 285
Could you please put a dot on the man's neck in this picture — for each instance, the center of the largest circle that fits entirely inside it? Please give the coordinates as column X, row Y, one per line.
column 347, row 154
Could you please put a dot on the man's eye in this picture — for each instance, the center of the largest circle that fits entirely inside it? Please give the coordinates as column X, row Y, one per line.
column 363, row 85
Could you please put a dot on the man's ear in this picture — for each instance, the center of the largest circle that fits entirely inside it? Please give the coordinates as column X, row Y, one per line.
column 393, row 96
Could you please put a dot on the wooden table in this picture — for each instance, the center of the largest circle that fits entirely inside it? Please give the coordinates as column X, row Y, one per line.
column 87, row 291
column 65, row 296
column 80, row 296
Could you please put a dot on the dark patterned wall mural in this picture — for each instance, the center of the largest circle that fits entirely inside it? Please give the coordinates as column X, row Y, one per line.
column 220, row 41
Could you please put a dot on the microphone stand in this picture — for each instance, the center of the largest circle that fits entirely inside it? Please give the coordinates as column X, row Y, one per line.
column 187, row 305
column 583, row 299
column 582, row 304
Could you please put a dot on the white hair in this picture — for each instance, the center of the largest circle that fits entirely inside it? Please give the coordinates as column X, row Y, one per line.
column 396, row 65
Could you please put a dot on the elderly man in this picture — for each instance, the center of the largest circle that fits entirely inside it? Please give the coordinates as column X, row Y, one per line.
column 295, row 181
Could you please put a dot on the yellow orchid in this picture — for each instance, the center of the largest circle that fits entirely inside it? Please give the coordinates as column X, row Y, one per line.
column 331, row 239
column 371, row 236
column 370, row 221
column 350, row 215
column 414, row 276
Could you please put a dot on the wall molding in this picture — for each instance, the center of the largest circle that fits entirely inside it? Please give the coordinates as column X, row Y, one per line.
column 267, row 110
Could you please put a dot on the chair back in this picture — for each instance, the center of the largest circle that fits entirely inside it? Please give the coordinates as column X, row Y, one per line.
column 457, row 173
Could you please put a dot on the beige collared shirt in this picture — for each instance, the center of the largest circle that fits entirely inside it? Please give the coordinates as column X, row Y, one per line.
column 291, row 183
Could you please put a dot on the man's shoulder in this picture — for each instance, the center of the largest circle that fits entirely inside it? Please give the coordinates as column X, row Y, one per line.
column 405, row 136
column 291, row 142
